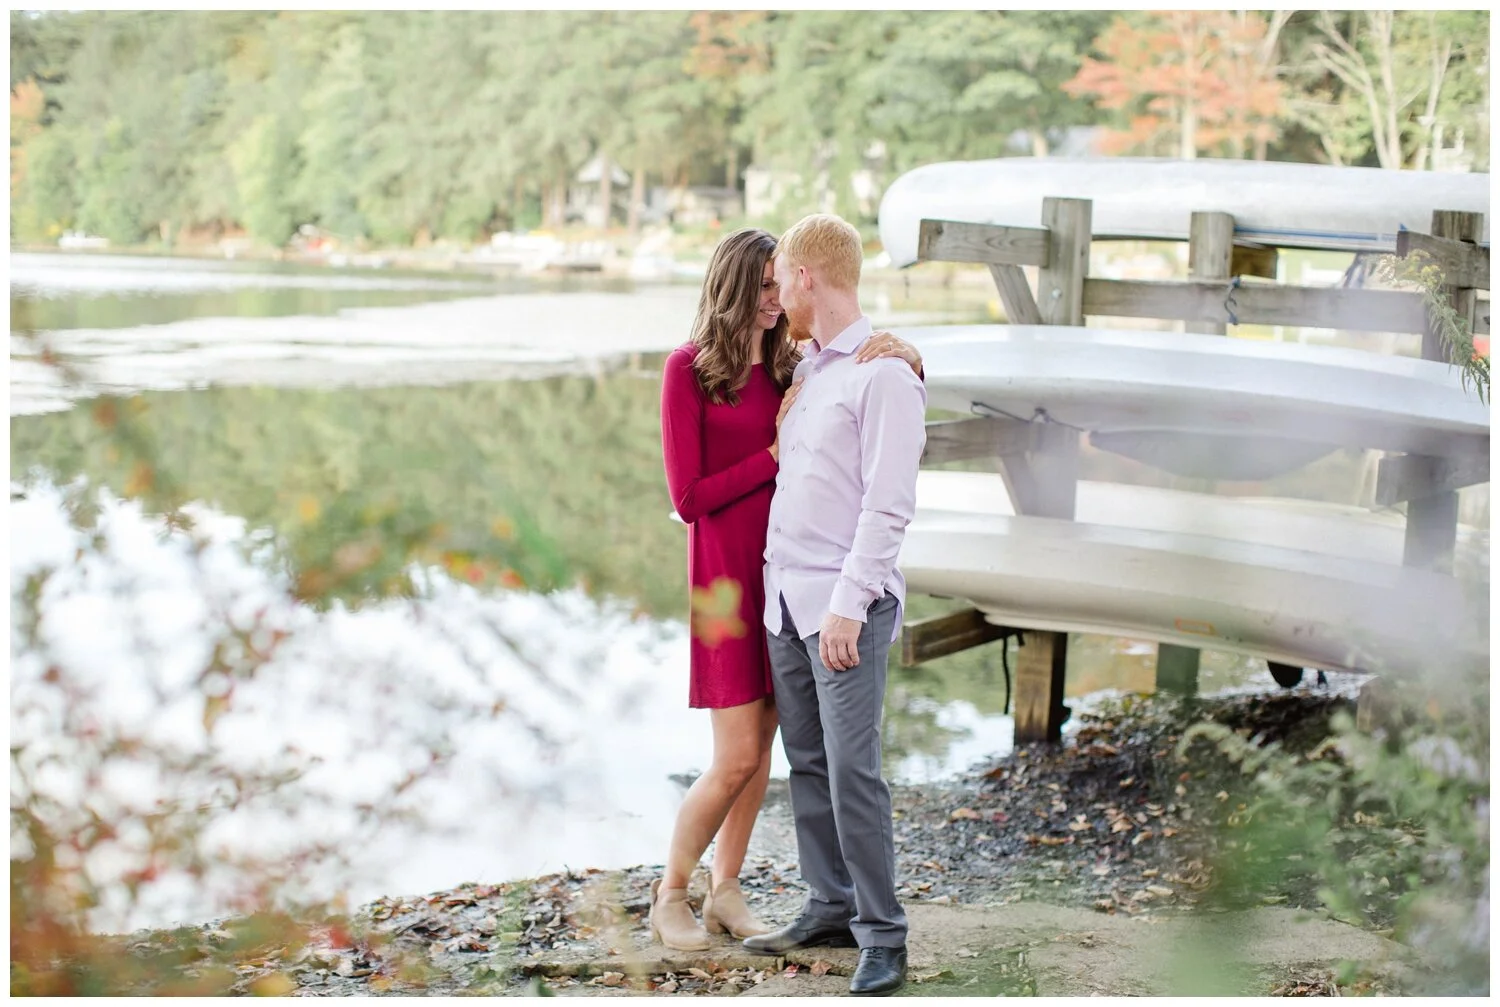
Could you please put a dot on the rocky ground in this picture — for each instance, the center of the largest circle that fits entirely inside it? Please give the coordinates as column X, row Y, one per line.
column 1083, row 868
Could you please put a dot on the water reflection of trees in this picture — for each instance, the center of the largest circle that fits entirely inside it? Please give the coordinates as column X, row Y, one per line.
column 557, row 480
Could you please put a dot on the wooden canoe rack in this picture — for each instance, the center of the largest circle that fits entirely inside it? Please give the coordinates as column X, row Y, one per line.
column 1039, row 462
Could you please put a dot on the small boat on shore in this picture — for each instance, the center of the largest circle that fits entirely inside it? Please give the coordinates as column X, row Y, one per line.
column 1274, row 203
column 1234, row 397
column 1294, row 582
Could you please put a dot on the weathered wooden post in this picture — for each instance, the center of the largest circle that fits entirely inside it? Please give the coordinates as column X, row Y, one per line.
column 1210, row 258
column 1432, row 517
column 1052, row 469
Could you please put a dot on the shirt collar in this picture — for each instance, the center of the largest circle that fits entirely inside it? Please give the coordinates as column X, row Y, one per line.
column 848, row 341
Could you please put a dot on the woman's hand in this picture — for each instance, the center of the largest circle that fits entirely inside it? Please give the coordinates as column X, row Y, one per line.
column 786, row 406
column 884, row 344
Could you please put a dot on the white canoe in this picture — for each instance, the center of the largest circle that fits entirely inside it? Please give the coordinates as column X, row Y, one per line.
column 1273, row 203
column 1122, row 381
column 1286, row 605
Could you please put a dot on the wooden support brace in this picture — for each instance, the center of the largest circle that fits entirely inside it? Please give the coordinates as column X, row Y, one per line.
column 1463, row 264
column 1015, row 294
column 1041, row 670
column 1177, row 669
column 1045, row 480
column 1432, row 519
column 946, row 634
column 1415, row 477
column 957, row 241
column 1258, row 304
column 1210, row 250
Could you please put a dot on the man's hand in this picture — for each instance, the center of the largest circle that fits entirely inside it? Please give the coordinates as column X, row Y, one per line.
column 838, row 642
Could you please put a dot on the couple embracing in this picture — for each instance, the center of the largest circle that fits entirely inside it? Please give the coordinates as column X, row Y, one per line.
column 791, row 435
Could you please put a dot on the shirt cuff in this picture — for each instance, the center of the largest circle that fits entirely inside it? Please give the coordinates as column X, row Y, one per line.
column 849, row 601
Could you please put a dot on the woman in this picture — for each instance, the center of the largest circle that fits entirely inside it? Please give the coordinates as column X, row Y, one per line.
column 724, row 395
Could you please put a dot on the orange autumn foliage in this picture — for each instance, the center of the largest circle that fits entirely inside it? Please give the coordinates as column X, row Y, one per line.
column 1202, row 71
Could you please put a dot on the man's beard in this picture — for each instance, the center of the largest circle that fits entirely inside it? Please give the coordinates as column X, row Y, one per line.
column 798, row 327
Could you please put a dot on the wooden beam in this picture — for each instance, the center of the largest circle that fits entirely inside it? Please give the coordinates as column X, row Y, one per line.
column 1059, row 288
column 1041, row 669
column 1415, row 477
column 946, row 634
column 957, row 241
column 1177, row 669
column 1210, row 249
column 1210, row 260
column 1249, row 259
column 1015, row 294
column 1458, row 227
column 1431, row 532
column 1045, row 481
column 1258, row 304
column 1432, row 519
column 1463, row 264
column 980, row 437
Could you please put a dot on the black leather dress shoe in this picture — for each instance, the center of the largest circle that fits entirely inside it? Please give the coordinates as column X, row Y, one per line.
column 880, row 971
column 807, row 932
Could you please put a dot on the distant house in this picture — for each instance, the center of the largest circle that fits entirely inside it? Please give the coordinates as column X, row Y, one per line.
column 583, row 194
column 767, row 187
column 1454, row 158
column 698, row 205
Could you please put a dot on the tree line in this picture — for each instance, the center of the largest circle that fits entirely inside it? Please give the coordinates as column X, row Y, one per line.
column 402, row 127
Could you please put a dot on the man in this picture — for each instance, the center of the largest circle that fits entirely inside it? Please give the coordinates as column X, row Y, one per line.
column 845, row 492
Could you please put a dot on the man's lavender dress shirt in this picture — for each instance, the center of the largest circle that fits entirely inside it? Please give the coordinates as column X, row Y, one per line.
column 847, row 486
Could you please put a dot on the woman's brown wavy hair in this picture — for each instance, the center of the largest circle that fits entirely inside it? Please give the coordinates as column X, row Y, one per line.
column 726, row 308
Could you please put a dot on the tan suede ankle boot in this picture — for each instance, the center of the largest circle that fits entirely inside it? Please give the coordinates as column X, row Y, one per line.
column 672, row 921
column 724, row 910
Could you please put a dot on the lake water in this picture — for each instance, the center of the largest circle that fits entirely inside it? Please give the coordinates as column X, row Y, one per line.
column 339, row 414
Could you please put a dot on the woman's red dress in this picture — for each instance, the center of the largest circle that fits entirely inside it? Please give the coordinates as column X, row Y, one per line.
column 721, row 478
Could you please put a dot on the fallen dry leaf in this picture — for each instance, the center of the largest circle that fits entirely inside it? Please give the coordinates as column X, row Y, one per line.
column 968, row 814
column 277, row 984
column 819, row 968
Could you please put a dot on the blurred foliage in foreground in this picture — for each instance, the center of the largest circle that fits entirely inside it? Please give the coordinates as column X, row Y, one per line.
column 1383, row 824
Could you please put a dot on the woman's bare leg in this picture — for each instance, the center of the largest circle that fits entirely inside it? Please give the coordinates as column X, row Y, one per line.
column 733, row 838
column 738, row 732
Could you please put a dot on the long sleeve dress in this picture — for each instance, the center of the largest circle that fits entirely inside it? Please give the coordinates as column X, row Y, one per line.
column 721, row 479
